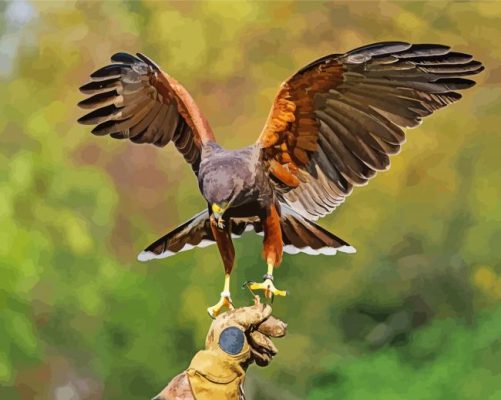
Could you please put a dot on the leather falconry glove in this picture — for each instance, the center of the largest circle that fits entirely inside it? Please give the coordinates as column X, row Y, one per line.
column 235, row 340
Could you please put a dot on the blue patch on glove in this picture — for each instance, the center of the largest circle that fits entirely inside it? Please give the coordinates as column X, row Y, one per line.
column 232, row 340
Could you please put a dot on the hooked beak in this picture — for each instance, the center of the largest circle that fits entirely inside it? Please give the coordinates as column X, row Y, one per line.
column 218, row 210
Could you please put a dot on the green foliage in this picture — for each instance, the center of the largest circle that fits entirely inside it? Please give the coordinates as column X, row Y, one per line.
column 447, row 360
column 414, row 314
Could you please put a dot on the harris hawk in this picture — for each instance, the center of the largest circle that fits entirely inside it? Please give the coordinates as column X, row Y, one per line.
column 332, row 126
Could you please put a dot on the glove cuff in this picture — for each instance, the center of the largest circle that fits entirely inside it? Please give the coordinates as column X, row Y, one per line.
column 214, row 377
column 215, row 367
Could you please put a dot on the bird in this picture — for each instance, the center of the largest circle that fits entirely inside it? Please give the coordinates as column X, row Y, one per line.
column 332, row 126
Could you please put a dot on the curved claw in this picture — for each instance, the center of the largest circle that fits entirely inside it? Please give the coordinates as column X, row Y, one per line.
column 220, row 223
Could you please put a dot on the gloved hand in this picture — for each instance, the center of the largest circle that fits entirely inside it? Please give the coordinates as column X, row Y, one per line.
column 235, row 340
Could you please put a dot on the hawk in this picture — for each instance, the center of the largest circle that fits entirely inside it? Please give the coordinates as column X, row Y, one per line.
column 332, row 126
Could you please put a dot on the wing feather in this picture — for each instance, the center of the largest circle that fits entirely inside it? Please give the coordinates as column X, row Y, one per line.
column 133, row 98
column 337, row 121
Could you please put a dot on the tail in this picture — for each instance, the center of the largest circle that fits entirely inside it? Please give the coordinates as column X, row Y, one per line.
column 299, row 236
column 193, row 233
column 304, row 236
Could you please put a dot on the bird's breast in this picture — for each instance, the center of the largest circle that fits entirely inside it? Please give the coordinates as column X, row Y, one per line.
column 250, row 209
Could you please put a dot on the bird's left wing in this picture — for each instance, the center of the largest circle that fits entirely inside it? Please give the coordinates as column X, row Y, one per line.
column 336, row 122
column 132, row 98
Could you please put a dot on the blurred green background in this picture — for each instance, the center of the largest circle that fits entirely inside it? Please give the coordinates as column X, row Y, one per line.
column 414, row 314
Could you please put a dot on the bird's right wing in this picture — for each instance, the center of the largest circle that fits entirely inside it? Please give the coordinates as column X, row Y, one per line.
column 335, row 123
column 132, row 98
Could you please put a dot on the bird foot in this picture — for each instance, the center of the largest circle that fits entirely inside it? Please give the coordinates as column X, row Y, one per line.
column 268, row 287
column 224, row 301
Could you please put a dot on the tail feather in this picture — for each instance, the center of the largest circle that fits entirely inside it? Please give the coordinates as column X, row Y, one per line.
column 193, row 233
column 301, row 235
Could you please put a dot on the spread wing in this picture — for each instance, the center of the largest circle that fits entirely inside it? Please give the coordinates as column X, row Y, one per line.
column 132, row 98
column 335, row 123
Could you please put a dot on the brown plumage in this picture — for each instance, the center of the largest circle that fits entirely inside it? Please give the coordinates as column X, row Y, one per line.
column 345, row 115
column 333, row 125
column 133, row 99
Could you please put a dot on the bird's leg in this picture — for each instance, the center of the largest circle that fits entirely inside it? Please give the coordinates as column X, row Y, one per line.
column 227, row 251
column 224, row 301
column 272, row 252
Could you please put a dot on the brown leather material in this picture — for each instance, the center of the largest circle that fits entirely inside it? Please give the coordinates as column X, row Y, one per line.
column 206, row 389
column 273, row 327
column 178, row 389
column 216, row 374
column 218, row 368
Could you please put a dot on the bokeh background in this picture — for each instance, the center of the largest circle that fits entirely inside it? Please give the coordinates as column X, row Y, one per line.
column 414, row 314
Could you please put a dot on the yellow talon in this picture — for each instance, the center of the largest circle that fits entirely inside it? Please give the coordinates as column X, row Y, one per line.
column 269, row 288
column 224, row 302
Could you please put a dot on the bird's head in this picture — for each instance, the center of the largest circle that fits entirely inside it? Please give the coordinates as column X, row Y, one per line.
column 222, row 200
column 221, row 204
column 222, row 190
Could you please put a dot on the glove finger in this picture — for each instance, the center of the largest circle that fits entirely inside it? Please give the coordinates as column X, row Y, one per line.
column 273, row 327
column 261, row 343
column 252, row 315
column 261, row 359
